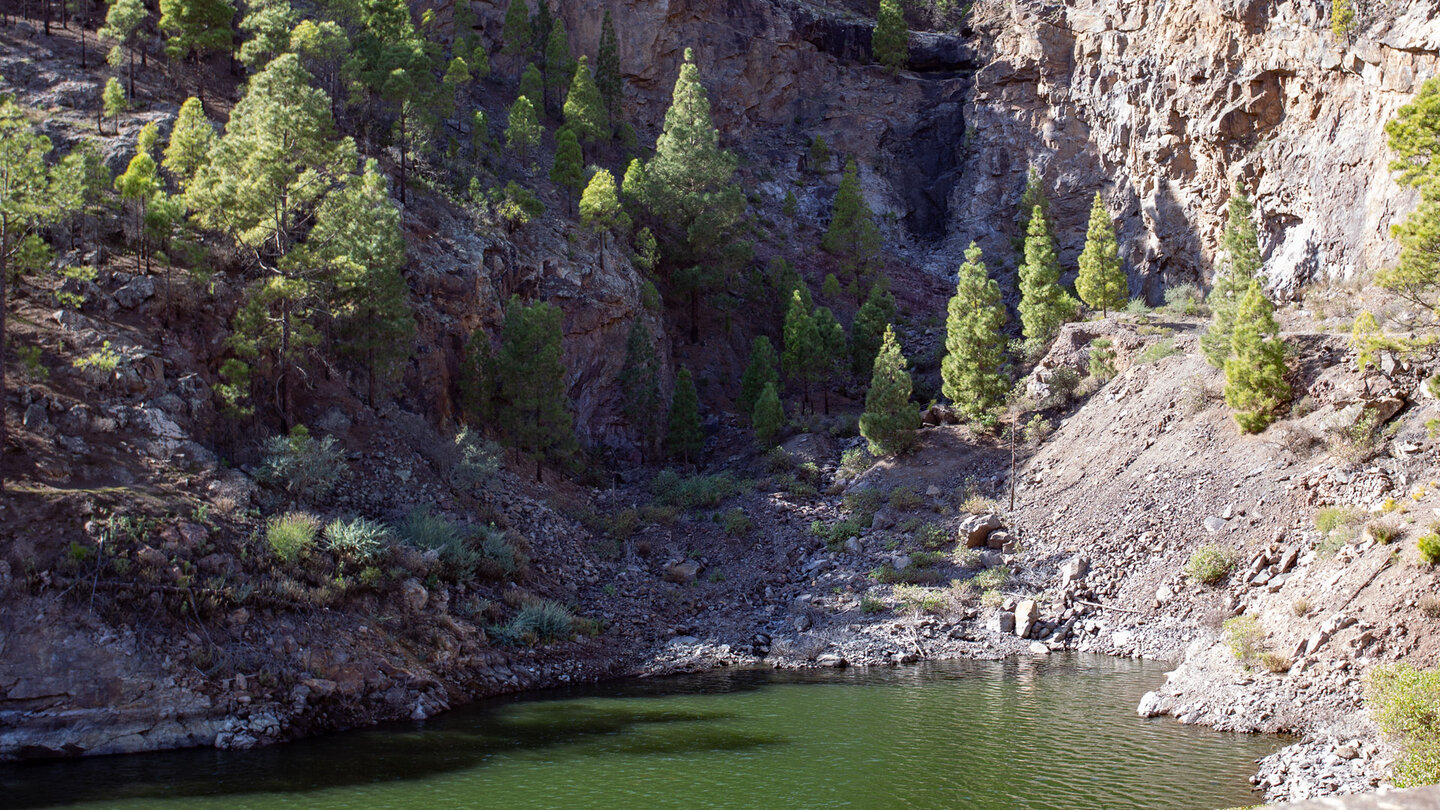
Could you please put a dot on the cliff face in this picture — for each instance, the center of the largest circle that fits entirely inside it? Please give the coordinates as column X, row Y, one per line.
column 1162, row 106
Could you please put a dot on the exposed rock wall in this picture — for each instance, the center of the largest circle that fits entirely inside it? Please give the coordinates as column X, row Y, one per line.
column 1162, row 106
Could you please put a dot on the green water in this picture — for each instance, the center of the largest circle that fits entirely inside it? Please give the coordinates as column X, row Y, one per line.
column 1056, row 732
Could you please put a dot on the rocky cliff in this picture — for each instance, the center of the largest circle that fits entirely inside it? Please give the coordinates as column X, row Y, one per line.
column 1160, row 106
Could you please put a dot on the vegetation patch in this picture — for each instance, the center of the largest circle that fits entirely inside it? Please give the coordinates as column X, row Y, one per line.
column 1405, row 703
column 291, row 535
column 1210, row 564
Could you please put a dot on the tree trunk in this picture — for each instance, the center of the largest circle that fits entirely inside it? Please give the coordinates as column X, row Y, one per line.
column 539, row 471
column 285, row 363
column 402, row 153
column 83, row 64
column 694, row 314
column 4, row 425
column 47, row 17
column 825, row 392
column 370, row 374
column 132, row 86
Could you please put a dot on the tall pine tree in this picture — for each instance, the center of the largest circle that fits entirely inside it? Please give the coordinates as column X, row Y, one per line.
column 559, row 68
column 1101, row 282
column 853, row 235
column 890, row 40
column 640, row 388
column 890, row 420
column 194, row 28
column 768, row 416
column 607, row 69
column 1255, row 386
column 832, row 358
column 762, row 370
column 529, row 386
column 1241, row 246
column 522, row 129
column 684, row 435
column 1044, row 304
column 802, row 354
column 584, row 108
column 568, row 170
column 516, row 33
column 973, row 370
column 190, row 142
column 874, row 315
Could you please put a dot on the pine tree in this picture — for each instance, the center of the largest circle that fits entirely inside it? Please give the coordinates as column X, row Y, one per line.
column 122, row 24
column 890, row 420
column 687, row 184
column 532, row 88
column 114, row 102
column 190, row 142
column 853, row 235
column 268, row 24
column 762, row 370
column 600, row 208
column 1414, row 136
column 1255, row 384
column 874, row 315
column 830, row 287
column 28, row 202
column 516, row 33
column 138, row 185
column 973, row 370
column 1101, row 283
column 608, row 80
column 522, row 132
column 768, row 416
column 559, row 67
column 1033, row 195
column 568, row 170
column 584, row 108
column 1241, row 245
column 195, row 28
column 1044, row 304
column 81, row 186
column 890, row 41
column 802, row 352
column 529, row 385
column 276, row 162
column 833, row 356
column 684, row 435
column 640, row 387
column 457, row 77
column 357, row 230
column 1342, row 20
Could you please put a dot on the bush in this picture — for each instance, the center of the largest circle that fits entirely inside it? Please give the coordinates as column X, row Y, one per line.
column 1274, row 661
column 835, row 534
column 1405, row 703
column 923, row 600
column 854, row 461
column 503, row 555
column 357, row 540
column 1210, row 564
column 477, row 460
column 1185, row 299
column 1362, row 440
column 1331, row 518
column 304, row 468
column 1382, row 531
column 991, row 579
column 694, row 491
column 1429, row 546
column 736, row 523
column 1300, row 607
column 1430, row 606
column 1102, row 359
column 870, row 605
column 1137, row 306
column 428, row 531
column 539, row 622
column 905, row 499
column 291, row 535
column 1245, row 638
column 1157, row 351
column 933, row 536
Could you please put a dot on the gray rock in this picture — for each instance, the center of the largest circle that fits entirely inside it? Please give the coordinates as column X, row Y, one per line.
column 1150, row 705
column 683, row 572
column 1026, row 613
column 1002, row 621
column 36, row 416
column 976, row 529
column 832, row 660
column 413, row 595
column 139, row 290
column 1214, row 524
column 1073, row 571
column 853, row 546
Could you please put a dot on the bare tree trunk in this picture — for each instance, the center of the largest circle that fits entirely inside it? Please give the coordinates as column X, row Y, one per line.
column 694, row 315
column 4, row 425
column 285, row 363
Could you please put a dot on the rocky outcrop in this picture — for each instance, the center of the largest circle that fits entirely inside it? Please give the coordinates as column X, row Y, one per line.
column 1162, row 107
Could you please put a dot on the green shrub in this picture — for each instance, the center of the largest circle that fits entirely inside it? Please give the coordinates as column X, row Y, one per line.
column 923, row 600
column 306, row 469
column 905, row 499
column 1102, row 359
column 477, row 460
column 694, row 491
column 1382, row 531
column 1210, row 564
column 105, row 359
column 1331, row 518
column 503, row 555
column 870, row 605
column 1405, row 703
column 1245, row 638
column 1157, row 351
column 1062, row 384
column 357, row 540
column 291, row 535
column 913, row 574
column 933, row 536
column 1362, row 440
column 1137, row 306
column 1429, row 546
column 428, row 531
column 854, row 461
column 991, row 579
column 539, row 622
column 1185, row 299
column 835, row 534
column 736, row 523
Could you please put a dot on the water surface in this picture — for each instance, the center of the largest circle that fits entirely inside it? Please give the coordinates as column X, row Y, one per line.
column 1051, row 733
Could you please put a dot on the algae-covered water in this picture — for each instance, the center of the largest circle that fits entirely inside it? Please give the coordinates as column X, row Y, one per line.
column 1049, row 732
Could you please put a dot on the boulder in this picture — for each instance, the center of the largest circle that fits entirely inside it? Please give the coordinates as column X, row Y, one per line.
column 139, row 290
column 413, row 595
column 1214, row 524
column 682, row 573
column 1150, row 705
column 976, row 529
column 832, row 660
column 997, row 539
column 1026, row 614
column 1073, row 571
column 1002, row 621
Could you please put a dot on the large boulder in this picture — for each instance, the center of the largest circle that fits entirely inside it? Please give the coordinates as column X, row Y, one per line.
column 683, row 572
column 976, row 529
column 1027, row 612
